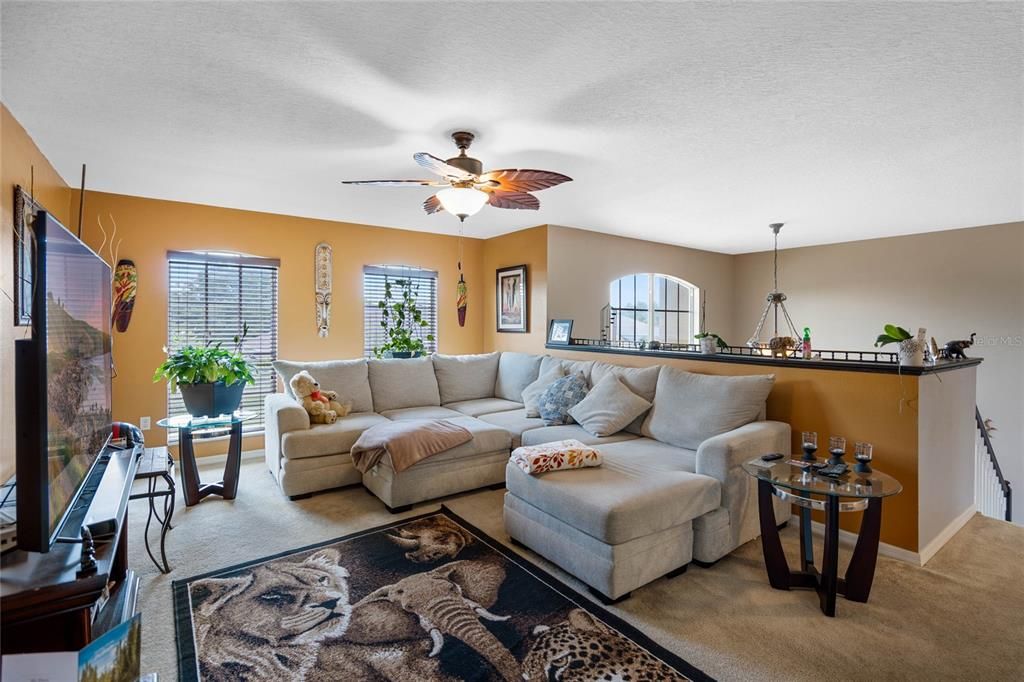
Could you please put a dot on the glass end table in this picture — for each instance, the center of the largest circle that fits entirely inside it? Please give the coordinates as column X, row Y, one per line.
column 190, row 427
column 809, row 491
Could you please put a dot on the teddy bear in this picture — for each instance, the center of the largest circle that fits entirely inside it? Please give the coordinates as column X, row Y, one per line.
column 323, row 406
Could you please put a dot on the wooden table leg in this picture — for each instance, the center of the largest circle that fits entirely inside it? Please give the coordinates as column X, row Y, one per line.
column 234, row 463
column 189, row 470
column 861, row 571
column 771, row 543
column 829, row 584
column 806, row 540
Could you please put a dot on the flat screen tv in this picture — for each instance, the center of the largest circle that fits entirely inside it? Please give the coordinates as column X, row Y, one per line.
column 63, row 375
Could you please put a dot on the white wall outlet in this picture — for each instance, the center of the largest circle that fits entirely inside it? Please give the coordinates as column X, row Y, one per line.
column 144, row 423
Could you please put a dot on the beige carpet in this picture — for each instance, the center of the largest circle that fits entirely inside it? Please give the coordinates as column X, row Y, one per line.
column 959, row 618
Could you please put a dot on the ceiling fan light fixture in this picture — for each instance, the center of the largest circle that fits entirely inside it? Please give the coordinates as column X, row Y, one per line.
column 462, row 201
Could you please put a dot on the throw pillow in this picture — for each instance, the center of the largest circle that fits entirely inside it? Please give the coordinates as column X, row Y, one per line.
column 532, row 393
column 560, row 397
column 465, row 377
column 640, row 380
column 690, row 408
column 609, row 407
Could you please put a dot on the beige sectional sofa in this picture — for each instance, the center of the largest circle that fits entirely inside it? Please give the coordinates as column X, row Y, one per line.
column 670, row 490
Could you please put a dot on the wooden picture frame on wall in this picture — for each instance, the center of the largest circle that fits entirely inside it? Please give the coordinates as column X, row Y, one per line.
column 24, row 248
column 511, row 300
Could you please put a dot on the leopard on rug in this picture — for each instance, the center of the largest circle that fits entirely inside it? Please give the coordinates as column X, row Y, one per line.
column 429, row 598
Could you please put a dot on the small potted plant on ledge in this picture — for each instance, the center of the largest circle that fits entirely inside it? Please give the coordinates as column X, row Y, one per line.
column 710, row 342
column 911, row 350
column 211, row 378
column 402, row 322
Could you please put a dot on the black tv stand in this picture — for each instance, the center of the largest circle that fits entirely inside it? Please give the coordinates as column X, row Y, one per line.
column 44, row 604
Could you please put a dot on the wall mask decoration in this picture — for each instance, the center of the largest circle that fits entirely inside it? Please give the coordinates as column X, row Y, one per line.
column 323, row 266
column 461, row 289
column 512, row 304
column 126, row 284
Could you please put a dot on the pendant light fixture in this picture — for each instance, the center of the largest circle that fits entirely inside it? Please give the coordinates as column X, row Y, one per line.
column 777, row 345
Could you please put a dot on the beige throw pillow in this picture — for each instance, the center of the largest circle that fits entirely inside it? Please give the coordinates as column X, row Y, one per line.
column 609, row 407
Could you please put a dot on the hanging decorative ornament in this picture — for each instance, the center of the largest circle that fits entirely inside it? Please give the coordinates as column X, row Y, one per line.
column 126, row 284
column 323, row 263
column 777, row 346
column 461, row 289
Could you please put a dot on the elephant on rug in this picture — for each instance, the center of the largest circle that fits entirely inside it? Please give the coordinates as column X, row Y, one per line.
column 449, row 600
column 431, row 539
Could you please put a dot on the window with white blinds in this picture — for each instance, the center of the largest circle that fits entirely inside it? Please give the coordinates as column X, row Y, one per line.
column 210, row 297
column 424, row 285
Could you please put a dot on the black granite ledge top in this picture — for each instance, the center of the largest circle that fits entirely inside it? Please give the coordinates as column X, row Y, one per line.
column 794, row 362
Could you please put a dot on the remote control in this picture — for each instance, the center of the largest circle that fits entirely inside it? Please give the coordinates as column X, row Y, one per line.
column 772, row 457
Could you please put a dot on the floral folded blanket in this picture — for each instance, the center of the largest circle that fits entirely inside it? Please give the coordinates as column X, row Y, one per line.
column 562, row 454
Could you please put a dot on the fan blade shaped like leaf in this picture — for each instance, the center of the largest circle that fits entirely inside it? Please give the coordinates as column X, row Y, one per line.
column 502, row 199
column 524, row 180
column 442, row 168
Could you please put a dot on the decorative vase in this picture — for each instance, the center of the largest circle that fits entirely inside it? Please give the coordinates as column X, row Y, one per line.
column 709, row 345
column 911, row 353
column 211, row 400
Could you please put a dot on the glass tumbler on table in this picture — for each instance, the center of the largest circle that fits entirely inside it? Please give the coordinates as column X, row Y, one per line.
column 863, row 453
column 810, row 445
column 837, row 448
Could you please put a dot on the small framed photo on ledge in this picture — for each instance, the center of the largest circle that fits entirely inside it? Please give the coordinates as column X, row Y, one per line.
column 560, row 332
column 512, row 306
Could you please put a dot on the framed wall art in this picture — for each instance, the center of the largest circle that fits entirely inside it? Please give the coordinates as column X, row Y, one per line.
column 512, row 305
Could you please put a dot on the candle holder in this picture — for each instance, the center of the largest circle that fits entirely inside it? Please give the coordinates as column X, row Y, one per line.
column 863, row 453
column 836, row 448
column 810, row 445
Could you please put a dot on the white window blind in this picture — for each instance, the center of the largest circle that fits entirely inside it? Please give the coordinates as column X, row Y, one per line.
column 210, row 297
column 424, row 285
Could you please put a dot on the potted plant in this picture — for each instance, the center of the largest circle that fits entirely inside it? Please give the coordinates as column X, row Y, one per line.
column 211, row 378
column 911, row 350
column 710, row 342
column 402, row 321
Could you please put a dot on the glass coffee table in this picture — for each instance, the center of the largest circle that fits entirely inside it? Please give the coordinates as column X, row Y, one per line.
column 190, row 427
column 809, row 491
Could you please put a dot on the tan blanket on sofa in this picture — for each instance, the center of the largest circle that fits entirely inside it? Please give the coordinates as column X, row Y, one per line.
column 407, row 441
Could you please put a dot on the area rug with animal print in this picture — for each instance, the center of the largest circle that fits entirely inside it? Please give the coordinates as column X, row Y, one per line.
column 424, row 599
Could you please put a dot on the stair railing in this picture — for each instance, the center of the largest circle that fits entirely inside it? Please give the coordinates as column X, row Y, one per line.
column 992, row 492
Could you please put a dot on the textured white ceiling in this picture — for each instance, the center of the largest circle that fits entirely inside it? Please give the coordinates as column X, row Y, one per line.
column 688, row 123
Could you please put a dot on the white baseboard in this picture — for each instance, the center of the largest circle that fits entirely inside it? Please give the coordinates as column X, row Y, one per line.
column 929, row 550
column 848, row 540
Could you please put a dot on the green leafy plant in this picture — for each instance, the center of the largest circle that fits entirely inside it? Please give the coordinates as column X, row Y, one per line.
column 401, row 319
column 893, row 334
column 719, row 341
column 207, row 364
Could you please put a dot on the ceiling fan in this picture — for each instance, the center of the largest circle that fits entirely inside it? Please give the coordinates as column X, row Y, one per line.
column 467, row 188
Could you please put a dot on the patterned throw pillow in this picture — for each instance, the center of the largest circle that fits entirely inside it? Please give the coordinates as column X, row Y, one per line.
column 562, row 454
column 560, row 397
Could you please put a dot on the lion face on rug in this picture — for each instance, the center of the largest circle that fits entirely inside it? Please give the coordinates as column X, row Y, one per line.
column 584, row 648
column 265, row 623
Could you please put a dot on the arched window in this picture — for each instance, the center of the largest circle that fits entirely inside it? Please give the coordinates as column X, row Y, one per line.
column 652, row 307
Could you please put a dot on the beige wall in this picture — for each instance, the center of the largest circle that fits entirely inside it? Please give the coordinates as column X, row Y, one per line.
column 18, row 156
column 952, row 283
column 582, row 264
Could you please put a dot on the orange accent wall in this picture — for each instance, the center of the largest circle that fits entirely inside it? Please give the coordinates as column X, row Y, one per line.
column 528, row 246
column 881, row 409
column 18, row 155
column 149, row 228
